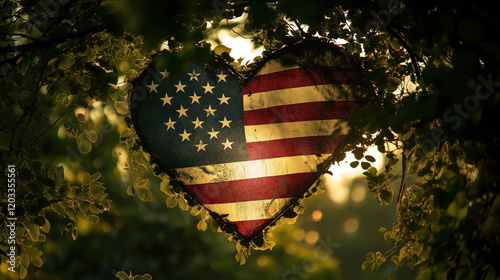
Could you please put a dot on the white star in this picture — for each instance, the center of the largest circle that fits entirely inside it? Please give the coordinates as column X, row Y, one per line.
column 180, row 87
column 153, row 86
column 193, row 75
column 166, row 99
column 182, row 112
column 170, row 124
column 165, row 74
column 222, row 77
column 210, row 111
column 224, row 99
column 195, row 98
column 197, row 123
column 201, row 146
column 225, row 122
column 227, row 144
column 213, row 133
column 208, row 88
column 185, row 136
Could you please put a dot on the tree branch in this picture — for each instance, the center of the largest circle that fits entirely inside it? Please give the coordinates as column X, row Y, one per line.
column 413, row 56
column 52, row 41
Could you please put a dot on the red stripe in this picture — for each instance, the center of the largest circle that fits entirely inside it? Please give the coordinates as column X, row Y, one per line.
column 301, row 77
column 251, row 228
column 300, row 112
column 291, row 185
column 293, row 147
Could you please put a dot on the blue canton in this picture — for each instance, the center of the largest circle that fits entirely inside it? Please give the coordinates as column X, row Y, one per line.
column 197, row 120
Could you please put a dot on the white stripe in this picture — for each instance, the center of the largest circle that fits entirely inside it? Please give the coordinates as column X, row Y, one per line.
column 276, row 131
column 274, row 66
column 266, row 99
column 312, row 59
column 249, row 169
column 249, row 210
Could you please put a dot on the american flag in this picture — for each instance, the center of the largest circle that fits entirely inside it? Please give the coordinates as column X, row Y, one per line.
column 245, row 152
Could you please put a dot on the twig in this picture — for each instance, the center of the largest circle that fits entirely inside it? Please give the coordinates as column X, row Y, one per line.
column 50, row 126
column 413, row 56
column 304, row 34
column 53, row 41
column 402, row 186
column 234, row 31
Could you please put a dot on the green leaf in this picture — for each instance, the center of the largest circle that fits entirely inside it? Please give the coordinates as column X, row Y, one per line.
column 37, row 261
column 33, row 251
column 386, row 195
column 121, row 107
column 96, row 176
column 452, row 209
column 122, row 275
column 87, row 179
column 462, row 213
column 80, row 117
column 33, row 230
column 183, row 204
column 365, row 165
column 171, row 201
column 23, row 272
column 358, row 153
column 220, row 49
column 370, row 158
column 39, row 220
column 58, row 209
column 83, row 144
column 424, row 274
column 92, row 218
column 365, row 265
column 370, row 256
column 130, row 190
column 92, row 136
column 25, row 260
column 202, row 225
column 165, row 187
column 145, row 194
column 96, row 189
column 241, row 258
column 46, row 181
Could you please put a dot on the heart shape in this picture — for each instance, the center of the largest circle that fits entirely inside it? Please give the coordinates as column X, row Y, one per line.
column 247, row 151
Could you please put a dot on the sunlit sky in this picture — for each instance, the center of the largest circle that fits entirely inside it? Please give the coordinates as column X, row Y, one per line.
column 338, row 184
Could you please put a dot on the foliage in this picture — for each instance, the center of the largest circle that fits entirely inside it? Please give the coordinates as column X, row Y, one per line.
column 123, row 276
column 56, row 62
column 430, row 106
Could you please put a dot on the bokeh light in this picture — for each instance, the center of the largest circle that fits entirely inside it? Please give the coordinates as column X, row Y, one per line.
column 351, row 225
column 317, row 215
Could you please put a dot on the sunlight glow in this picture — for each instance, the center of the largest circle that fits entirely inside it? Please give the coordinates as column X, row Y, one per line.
column 337, row 185
column 240, row 46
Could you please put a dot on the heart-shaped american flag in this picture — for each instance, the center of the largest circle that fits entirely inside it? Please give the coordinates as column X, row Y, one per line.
column 247, row 151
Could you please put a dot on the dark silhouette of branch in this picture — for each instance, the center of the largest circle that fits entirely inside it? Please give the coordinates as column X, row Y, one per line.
column 52, row 41
column 413, row 56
